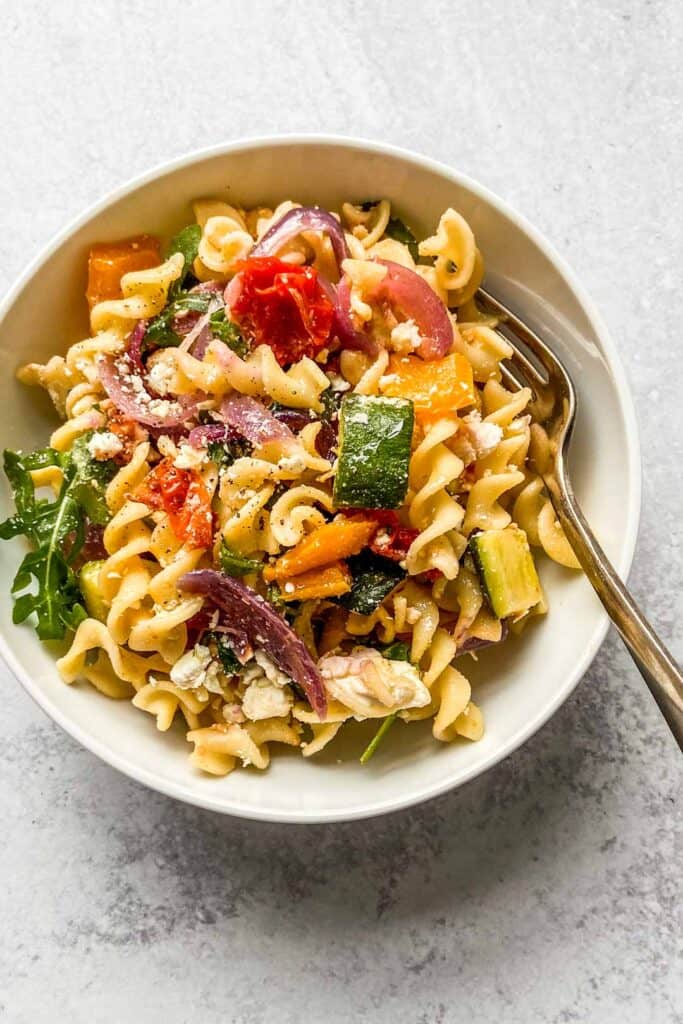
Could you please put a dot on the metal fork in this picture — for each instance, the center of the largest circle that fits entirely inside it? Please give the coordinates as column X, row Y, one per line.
column 554, row 407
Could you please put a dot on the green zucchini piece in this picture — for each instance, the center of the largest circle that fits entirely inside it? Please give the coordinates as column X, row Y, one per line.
column 374, row 451
column 373, row 579
column 89, row 581
column 506, row 570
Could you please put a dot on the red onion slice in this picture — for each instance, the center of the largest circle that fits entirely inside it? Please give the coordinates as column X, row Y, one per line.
column 253, row 421
column 348, row 334
column 247, row 613
column 410, row 294
column 126, row 388
column 211, row 433
column 304, row 218
column 134, row 346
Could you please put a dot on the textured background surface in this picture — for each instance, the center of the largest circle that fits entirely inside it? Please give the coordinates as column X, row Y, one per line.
column 544, row 892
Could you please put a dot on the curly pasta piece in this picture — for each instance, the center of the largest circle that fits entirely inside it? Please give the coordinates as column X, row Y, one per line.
column 63, row 437
column 484, row 348
column 454, row 248
column 163, row 699
column 145, row 293
column 553, row 539
column 367, row 226
column 92, row 635
column 259, row 375
column 225, row 239
column 218, row 747
column 432, row 510
column 294, row 513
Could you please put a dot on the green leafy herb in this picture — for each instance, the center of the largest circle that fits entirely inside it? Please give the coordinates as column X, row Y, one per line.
column 373, row 578
column 400, row 231
column 91, row 479
column 234, row 564
column 398, row 651
column 160, row 333
column 377, row 738
column 228, row 332
column 224, row 652
column 57, row 529
column 186, row 242
column 224, row 453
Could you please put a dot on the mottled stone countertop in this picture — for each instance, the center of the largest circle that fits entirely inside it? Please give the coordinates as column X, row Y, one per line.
column 547, row 891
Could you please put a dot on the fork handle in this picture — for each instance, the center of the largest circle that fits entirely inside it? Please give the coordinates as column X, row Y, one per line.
column 655, row 663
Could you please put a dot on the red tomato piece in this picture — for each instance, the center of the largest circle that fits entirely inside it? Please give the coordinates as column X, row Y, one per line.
column 182, row 494
column 282, row 306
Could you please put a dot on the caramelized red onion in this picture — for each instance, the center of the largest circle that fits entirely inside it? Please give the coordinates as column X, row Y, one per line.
column 303, row 218
column 245, row 613
column 409, row 294
column 126, row 387
column 253, row 421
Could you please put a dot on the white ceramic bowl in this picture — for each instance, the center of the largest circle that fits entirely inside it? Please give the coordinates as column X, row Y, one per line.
column 518, row 686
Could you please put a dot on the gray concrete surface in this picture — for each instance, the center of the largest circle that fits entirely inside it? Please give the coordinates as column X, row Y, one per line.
column 547, row 891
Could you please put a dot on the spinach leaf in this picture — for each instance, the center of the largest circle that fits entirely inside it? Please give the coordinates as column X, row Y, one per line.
column 186, row 242
column 228, row 332
column 160, row 333
column 400, row 231
column 373, row 578
column 234, row 564
column 398, row 651
column 224, row 652
column 224, row 453
column 57, row 529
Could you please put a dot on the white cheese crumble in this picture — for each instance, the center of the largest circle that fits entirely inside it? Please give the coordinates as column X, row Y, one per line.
column 405, row 337
column 197, row 668
column 189, row 457
column 160, row 377
column 485, row 436
column 292, row 464
column 337, row 382
column 104, row 445
column 370, row 685
column 263, row 699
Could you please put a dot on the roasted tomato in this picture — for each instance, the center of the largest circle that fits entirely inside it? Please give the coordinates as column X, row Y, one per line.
column 129, row 433
column 109, row 261
column 182, row 494
column 283, row 306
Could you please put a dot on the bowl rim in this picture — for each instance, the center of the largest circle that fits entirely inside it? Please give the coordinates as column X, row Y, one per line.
column 367, row 808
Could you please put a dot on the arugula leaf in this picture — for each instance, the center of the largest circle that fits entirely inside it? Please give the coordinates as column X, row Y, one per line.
column 377, row 738
column 234, row 564
column 397, row 229
column 186, row 242
column 225, row 330
column 57, row 529
column 224, row 652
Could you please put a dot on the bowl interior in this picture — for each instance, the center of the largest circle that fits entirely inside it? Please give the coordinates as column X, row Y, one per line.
column 518, row 686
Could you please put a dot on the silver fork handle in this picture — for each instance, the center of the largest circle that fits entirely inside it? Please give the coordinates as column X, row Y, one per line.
column 655, row 663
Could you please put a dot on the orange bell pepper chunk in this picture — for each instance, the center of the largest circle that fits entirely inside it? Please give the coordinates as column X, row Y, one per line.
column 329, row 543
column 109, row 261
column 328, row 581
column 436, row 387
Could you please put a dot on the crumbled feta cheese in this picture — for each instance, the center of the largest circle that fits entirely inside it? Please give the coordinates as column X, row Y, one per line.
column 160, row 377
column 292, row 464
column 485, row 436
column 189, row 457
column 337, row 382
column 104, row 445
column 405, row 337
column 370, row 685
column 263, row 699
column 197, row 668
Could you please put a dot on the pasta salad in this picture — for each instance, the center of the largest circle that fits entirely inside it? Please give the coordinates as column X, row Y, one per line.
column 289, row 489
